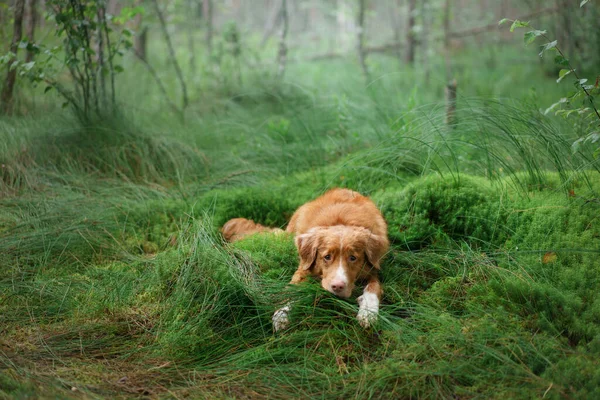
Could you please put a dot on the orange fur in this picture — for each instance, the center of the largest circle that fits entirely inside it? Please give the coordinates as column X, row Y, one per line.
column 238, row 228
column 343, row 225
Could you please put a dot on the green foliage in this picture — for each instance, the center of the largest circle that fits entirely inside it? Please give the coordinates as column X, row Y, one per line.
column 89, row 51
column 579, row 103
column 116, row 280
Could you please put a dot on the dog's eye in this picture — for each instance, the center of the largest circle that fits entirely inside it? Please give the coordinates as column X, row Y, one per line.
column 352, row 258
column 327, row 257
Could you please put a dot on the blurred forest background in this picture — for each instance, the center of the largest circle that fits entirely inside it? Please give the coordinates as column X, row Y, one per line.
column 130, row 131
column 188, row 52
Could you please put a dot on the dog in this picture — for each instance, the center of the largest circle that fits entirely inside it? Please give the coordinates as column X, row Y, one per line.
column 341, row 238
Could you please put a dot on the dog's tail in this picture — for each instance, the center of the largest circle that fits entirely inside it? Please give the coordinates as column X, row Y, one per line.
column 238, row 228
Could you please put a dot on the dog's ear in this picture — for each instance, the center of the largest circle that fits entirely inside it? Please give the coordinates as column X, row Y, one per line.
column 307, row 245
column 376, row 248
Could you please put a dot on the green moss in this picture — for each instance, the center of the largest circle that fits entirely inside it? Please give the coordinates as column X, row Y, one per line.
column 579, row 372
column 274, row 254
column 438, row 211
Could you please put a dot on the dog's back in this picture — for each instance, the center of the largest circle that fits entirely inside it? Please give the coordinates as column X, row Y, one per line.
column 338, row 207
column 335, row 207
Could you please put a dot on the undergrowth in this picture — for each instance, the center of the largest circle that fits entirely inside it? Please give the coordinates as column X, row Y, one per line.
column 115, row 280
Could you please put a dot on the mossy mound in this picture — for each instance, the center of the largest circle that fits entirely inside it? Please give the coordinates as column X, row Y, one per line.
column 440, row 210
column 274, row 254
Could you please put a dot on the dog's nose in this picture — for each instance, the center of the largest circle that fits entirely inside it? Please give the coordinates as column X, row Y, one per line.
column 338, row 286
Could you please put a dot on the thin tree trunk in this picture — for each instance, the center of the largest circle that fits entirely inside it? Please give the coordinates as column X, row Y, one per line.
column 163, row 26
column 140, row 42
column 207, row 11
column 7, row 92
column 282, row 54
column 191, row 31
column 160, row 84
column 565, row 19
column 31, row 24
column 410, row 35
column 272, row 22
column 395, row 20
column 447, row 40
column 425, row 16
column 100, row 38
column 360, row 25
column 451, row 88
column 111, row 56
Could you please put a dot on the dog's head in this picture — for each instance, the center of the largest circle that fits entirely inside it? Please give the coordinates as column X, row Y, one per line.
column 338, row 254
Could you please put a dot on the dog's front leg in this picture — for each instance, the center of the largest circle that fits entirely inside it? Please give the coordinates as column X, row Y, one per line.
column 369, row 303
column 281, row 318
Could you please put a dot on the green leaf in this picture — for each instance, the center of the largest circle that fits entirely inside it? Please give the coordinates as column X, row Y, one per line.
column 29, row 65
column 532, row 35
column 118, row 68
column 548, row 46
column 518, row 24
column 65, row 104
column 576, row 145
column 562, row 74
column 562, row 61
column 503, row 21
column 553, row 106
column 48, row 88
column 583, row 2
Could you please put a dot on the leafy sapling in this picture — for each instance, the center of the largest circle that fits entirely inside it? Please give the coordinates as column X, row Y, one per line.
column 584, row 94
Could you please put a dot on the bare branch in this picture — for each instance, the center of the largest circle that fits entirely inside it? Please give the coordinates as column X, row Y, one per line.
column 163, row 26
column 159, row 82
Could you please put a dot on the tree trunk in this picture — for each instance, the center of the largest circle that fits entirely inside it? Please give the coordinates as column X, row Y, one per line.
column 360, row 26
column 565, row 14
column 191, row 31
column 451, row 85
column 410, row 35
column 425, row 17
column 31, row 24
column 101, row 13
column 207, row 10
column 282, row 54
column 395, row 20
column 140, row 42
column 451, row 103
column 11, row 76
column 163, row 25
column 447, row 40
column 272, row 21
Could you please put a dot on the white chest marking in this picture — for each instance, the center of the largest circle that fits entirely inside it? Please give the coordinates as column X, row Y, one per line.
column 340, row 273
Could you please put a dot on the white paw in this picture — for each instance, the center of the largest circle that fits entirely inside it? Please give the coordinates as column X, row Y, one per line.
column 368, row 309
column 281, row 319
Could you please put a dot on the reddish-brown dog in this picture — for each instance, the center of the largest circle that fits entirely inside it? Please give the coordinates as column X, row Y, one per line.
column 341, row 238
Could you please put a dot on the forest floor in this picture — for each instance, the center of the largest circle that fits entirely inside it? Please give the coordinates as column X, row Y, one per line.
column 115, row 282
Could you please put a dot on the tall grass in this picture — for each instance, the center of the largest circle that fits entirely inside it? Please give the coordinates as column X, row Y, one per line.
column 115, row 280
